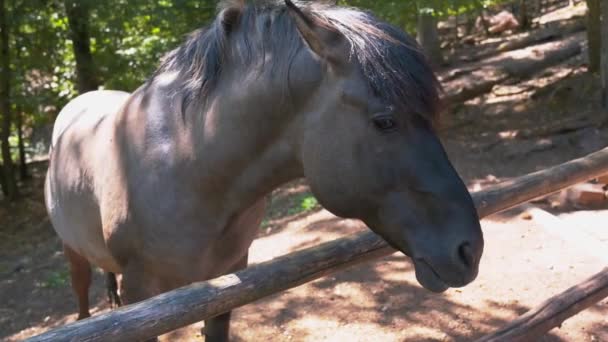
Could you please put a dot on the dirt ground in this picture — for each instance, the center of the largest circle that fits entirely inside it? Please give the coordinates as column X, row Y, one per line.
column 501, row 135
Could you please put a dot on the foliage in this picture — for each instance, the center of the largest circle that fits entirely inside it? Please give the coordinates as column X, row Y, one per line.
column 309, row 203
column 405, row 13
column 127, row 51
column 303, row 203
column 289, row 204
column 128, row 38
column 56, row 279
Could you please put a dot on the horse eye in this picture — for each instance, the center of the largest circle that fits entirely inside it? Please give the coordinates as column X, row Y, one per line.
column 384, row 123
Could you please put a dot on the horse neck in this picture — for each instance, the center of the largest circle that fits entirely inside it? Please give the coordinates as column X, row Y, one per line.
column 248, row 147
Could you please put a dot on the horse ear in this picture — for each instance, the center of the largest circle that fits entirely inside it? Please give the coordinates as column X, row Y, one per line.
column 229, row 18
column 326, row 42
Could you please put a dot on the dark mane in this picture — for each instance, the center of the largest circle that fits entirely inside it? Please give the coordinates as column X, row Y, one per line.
column 391, row 60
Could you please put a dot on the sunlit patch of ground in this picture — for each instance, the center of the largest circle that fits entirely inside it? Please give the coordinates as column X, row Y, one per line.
column 522, row 266
column 564, row 13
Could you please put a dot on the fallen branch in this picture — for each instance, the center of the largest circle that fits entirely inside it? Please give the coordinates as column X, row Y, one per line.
column 511, row 69
column 472, row 91
column 511, row 91
column 557, row 128
column 559, row 131
column 524, row 68
column 554, row 311
column 533, row 38
column 199, row 301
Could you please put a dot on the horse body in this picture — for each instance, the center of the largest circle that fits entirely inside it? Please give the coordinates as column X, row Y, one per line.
column 168, row 185
column 78, row 151
column 134, row 198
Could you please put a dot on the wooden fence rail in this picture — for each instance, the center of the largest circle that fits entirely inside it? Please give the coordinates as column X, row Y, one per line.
column 553, row 311
column 190, row 304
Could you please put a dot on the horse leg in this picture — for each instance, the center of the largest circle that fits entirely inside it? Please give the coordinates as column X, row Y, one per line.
column 137, row 285
column 217, row 329
column 80, row 272
column 112, row 288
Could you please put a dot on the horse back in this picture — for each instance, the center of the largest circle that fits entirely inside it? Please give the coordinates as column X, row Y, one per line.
column 89, row 108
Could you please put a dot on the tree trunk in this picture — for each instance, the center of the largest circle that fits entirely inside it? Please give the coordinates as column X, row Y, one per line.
column 3, row 184
column 78, row 15
column 428, row 36
column 604, row 54
column 23, row 174
column 484, row 23
column 9, row 182
column 593, row 34
column 524, row 19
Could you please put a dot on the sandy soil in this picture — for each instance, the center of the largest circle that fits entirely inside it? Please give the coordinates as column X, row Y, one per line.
column 490, row 138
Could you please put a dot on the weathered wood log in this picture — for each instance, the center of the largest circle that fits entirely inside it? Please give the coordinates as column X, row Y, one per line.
column 519, row 190
column 558, row 127
column 428, row 36
column 471, row 91
column 199, row 301
column 553, row 32
column 554, row 311
column 523, row 68
column 604, row 56
column 543, row 35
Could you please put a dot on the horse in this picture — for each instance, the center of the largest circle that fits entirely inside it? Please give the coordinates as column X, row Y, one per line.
column 168, row 185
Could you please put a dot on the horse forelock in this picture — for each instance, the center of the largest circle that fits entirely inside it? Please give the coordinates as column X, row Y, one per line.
column 392, row 61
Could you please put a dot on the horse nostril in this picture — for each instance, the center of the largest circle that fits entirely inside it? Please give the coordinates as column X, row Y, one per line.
column 465, row 252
